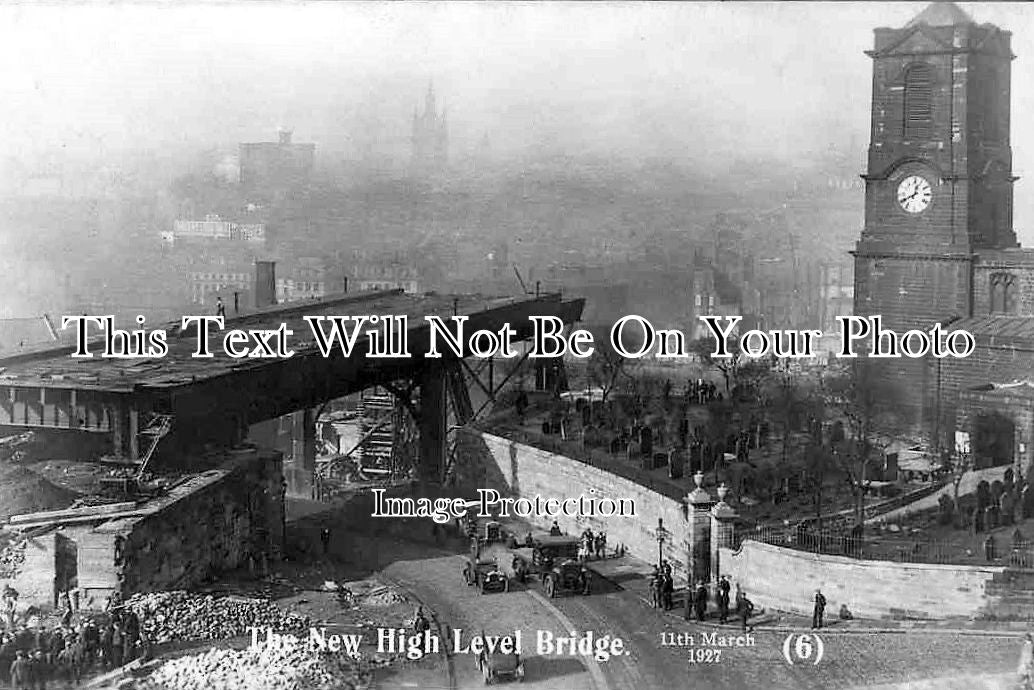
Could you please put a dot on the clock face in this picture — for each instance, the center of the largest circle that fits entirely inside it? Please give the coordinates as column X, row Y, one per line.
column 914, row 194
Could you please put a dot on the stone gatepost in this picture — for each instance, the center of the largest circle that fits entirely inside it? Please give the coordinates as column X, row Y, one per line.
column 698, row 535
column 723, row 531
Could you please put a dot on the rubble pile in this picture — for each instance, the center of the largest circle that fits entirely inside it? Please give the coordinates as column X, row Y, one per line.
column 289, row 665
column 179, row 615
column 383, row 596
column 12, row 557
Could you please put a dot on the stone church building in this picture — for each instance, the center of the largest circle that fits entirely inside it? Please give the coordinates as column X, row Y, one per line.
column 938, row 244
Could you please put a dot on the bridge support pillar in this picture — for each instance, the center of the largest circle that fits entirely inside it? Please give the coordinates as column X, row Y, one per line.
column 303, row 452
column 432, row 424
column 119, row 430
column 134, row 429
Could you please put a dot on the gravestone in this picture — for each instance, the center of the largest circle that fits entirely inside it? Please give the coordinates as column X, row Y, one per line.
column 1008, row 508
column 997, row 489
column 646, row 440
column 676, row 464
column 992, row 516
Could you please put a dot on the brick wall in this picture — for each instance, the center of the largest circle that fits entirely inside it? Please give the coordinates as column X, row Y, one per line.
column 35, row 581
column 515, row 469
column 221, row 520
column 785, row 579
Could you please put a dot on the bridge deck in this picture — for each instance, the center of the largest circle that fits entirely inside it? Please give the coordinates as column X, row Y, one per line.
column 56, row 368
column 49, row 388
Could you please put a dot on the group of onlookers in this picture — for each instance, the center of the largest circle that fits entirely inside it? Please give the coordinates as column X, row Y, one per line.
column 31, row 657
column 662, row 587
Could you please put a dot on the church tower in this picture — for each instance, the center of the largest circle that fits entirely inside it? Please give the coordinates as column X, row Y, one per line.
column 430, row 138
column 939, row 184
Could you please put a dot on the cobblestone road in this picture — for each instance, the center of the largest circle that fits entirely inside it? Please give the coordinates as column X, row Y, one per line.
column 850, row 660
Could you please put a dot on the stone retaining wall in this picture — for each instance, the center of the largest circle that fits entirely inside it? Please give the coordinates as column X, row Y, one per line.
column 515, row 469
column 786, row 579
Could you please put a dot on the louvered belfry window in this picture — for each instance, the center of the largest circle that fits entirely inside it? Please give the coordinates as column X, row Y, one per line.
column 918, row 107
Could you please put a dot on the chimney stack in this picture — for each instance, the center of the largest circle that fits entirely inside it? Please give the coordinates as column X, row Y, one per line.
column 265, row 284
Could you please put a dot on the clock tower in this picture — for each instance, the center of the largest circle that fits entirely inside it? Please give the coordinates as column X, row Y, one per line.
column 939, row 184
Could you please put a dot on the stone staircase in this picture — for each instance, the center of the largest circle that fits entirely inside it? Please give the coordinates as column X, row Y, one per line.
column 1010, row 595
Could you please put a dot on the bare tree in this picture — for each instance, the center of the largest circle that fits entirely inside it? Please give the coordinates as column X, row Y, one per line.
column 607, row 368
column 960, row 462
column 867, row 405
column 739, row 372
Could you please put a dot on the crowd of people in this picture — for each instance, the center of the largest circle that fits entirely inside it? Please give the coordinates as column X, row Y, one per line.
column 33, row 654
column 662, row 587
column 593, row 545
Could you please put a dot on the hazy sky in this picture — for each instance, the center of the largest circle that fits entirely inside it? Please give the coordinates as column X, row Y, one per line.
column 685, row 81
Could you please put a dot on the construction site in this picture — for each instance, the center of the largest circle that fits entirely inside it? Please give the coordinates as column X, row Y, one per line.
column 130, row 476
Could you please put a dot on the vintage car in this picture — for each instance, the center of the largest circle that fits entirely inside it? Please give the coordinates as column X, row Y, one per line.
column 498, row 664
column 548, row 549
column 566, row 576
column 493, row 532
column 486, row 575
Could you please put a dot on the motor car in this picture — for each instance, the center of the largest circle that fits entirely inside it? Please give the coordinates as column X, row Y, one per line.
column 486, row 575
column 566, row 576
column 497, row 664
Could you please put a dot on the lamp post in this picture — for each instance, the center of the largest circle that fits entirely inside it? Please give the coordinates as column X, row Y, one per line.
column 662, row 536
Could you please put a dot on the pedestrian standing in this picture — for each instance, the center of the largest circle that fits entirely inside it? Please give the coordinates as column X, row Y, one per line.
column 117, row 640
column 723, row 599
column 668, row 584
column 21, row 672
column 654, row 588
column 745, row 608
column 701, row 601
column 325, row 538
column 107, row 646
column 1025, row 670
column 820, row 608
column 220, row 308
column 39, row 670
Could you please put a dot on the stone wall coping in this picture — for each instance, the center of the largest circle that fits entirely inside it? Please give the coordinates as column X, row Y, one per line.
column 845, row 560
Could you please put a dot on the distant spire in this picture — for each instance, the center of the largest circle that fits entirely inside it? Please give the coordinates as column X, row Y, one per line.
column 941, row 14
column 429, row 106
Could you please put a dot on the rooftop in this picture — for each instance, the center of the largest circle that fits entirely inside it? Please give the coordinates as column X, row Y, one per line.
column 941, row 14
column 1019, row 328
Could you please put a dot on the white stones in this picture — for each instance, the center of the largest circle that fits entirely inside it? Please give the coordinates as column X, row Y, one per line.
column 289, row 665
column 172, row 616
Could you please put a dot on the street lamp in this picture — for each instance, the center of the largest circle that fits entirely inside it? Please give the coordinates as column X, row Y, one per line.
column 662, row 535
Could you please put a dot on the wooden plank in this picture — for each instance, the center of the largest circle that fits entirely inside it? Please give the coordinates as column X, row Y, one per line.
column 72, row 512
column 84, row 518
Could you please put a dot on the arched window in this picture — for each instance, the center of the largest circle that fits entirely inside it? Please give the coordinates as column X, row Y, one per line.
column 1003, row 293
column 918, row 110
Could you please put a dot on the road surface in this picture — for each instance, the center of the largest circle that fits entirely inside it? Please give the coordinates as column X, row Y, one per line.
column 849, row 660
